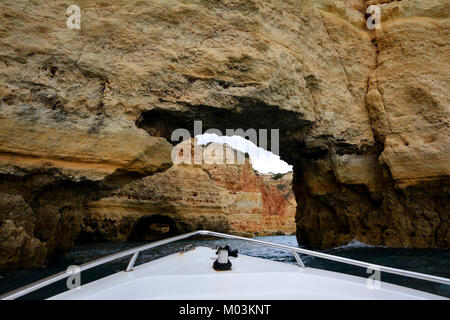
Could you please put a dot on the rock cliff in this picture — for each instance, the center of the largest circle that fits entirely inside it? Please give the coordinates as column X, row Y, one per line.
column 230, row 198
column 363, row 114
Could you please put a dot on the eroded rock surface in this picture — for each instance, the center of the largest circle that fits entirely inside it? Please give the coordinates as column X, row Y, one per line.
column 397, row 192
column 59, row 149
column 363, row 114
column 230, row 198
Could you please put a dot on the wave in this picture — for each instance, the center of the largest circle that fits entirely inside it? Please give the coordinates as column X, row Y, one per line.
column 356, row 244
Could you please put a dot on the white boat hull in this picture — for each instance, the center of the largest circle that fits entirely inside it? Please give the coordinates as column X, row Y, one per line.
column 190, row 276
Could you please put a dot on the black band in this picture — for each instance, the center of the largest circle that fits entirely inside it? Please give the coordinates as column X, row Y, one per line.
column 222, row 266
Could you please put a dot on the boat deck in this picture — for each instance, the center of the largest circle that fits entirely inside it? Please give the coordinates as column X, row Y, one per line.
column 190, row 276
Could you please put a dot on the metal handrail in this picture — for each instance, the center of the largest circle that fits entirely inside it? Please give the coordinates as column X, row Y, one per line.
column 135, row 252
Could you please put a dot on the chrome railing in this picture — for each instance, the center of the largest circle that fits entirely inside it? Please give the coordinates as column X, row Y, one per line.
column 135, row 252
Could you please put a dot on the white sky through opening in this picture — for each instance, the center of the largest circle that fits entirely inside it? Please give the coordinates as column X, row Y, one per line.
column 262, row 160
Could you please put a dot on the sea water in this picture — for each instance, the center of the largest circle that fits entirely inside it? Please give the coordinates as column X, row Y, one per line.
column 430, row 261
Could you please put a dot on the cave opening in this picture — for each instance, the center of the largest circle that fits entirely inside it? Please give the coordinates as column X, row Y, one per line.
column 288, row 127
column 243, row 120
column 154, row 227
column 263, row 161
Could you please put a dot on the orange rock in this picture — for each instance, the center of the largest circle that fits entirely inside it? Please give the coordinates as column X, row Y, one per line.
column 221, row 197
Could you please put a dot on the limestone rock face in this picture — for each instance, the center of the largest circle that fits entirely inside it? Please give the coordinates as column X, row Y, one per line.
column 229, row 198
column 256, row 204
column 18, row 246
column 362, row 114
column 59, row 149
column 396, row 193
column 183, row 198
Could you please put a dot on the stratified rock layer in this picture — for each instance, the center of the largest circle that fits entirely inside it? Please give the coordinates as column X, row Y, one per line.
column 230, row 198
column 363, row 114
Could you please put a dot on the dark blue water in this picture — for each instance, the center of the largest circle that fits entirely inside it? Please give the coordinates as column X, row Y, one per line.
column 430, row 261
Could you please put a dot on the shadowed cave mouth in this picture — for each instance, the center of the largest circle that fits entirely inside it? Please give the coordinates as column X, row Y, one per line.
column 251, row 120
column 154, row 227
column 249, row 114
